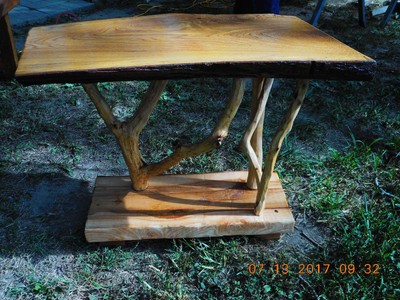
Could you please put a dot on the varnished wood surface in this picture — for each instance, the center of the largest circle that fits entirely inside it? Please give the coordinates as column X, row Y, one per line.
column 182, row 46
column 181, row 206
column 6, row 6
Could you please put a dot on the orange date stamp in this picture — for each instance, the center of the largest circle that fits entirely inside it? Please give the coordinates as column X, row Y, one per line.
column 319, row 268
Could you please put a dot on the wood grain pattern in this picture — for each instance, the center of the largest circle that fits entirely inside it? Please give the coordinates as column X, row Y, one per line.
column 182, row 46
column 6, row 6
column 181, row 206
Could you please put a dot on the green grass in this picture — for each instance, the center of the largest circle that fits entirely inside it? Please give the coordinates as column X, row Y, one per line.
column 339, row 168
column 364, row 231
column 364, row 227
column 352, row 191
column 343, row 193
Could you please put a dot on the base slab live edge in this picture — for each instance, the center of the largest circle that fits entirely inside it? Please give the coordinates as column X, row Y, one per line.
column 185, row 206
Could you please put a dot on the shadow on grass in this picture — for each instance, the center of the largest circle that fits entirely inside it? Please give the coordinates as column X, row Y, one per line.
column 42, row 213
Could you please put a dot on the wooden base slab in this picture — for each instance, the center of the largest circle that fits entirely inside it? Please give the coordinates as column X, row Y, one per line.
column 184, row 206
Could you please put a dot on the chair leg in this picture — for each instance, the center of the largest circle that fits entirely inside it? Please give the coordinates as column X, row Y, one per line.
column 361, row 13
column 317, row 12
column 388, row 13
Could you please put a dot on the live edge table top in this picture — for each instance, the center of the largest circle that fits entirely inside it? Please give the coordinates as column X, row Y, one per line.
column 186, row 46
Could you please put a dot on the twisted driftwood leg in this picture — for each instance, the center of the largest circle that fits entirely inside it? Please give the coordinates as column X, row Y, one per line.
column 251, row 143
column 127, row 133
column 276, row 143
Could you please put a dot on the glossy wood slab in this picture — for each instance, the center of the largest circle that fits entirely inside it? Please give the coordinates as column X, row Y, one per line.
column 186, row 45
column 183, row 206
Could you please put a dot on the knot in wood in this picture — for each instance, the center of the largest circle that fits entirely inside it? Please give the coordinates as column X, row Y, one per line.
column 219, row 140
column 116, row 125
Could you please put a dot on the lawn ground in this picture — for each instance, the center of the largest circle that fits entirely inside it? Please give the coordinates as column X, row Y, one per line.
column 339, row 168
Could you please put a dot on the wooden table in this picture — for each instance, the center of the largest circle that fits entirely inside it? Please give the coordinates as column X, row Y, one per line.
column 162, row 47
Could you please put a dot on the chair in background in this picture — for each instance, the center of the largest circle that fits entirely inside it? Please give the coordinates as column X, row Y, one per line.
column 320, row 7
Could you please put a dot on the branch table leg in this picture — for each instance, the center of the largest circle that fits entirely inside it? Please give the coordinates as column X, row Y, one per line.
column 213, row 141
column 179, row 206
column 127, row 132
column 276, row 143
column 251, row 142
column 256, row 140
